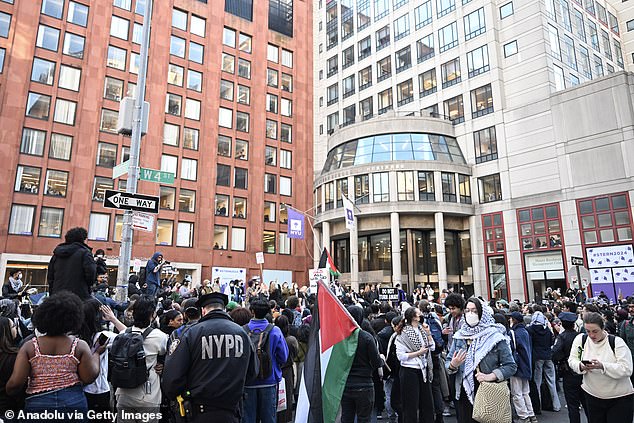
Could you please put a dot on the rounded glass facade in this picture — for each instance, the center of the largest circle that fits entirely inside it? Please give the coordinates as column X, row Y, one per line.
column 394, row 147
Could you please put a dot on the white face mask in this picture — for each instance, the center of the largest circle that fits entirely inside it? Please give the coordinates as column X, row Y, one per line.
column 472, row 319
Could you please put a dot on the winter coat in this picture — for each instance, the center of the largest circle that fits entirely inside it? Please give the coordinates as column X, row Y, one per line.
column 72, row 268
column 542, row 341
column 523, row 351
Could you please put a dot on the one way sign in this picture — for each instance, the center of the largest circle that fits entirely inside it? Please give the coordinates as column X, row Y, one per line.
column 126, row 201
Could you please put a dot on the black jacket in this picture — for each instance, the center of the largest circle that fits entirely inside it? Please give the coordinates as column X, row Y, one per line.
column 8, row 291
column 214, row 376
column 542, row 341
column 101, row 266
column 365, row 361
column 384, row 338
column 72, row 268
column 562, row 347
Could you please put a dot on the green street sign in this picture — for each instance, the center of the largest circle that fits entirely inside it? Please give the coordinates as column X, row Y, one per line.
column 157, row 176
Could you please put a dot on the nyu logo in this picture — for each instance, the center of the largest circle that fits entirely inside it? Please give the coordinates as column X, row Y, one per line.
column 296, row 227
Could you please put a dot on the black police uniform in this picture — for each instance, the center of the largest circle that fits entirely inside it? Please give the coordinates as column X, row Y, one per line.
column 572, row 381
column 212, row 361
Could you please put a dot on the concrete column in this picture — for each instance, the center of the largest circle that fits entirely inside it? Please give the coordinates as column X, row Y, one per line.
column 354, row 258
column 438, row 186
column 396, row 247
column 325, row 236
column 441, row 256
column 316, row 247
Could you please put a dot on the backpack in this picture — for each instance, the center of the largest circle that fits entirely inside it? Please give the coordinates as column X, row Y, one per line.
column 611, row 341
column 436, row 333
column 142, row 276
column 126, row 360
column 260, row 341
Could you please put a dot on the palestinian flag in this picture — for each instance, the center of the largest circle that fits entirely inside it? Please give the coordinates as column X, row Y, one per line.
column 333, row 343
column 326, row 262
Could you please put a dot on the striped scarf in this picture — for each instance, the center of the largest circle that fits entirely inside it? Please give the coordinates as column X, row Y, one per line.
column 414, row 340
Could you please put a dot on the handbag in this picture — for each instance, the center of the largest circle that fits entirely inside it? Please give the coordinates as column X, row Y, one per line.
column 492, row 403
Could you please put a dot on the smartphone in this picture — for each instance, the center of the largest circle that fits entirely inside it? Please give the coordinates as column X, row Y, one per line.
column 587, row 362
column 102, row 339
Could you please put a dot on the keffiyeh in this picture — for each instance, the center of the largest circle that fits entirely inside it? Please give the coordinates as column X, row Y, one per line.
column 484, row 337
column 539, row 319
column 414, row 340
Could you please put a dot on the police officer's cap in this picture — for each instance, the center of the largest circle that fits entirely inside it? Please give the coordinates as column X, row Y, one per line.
column 566, row 316
column 213, row 298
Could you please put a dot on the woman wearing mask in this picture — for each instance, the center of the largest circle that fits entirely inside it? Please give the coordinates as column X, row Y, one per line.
column 606, row 372
column 11, row 289
column 479, row 352
column 414, row 345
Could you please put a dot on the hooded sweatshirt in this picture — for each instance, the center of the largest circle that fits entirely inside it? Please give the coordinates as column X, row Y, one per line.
column 72, row 268
column 366, row 358
column 152, row 277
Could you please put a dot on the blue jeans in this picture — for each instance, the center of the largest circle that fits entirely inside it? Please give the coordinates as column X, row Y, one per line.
column 547, row 368
column 151, row 289
column 64, row 400
column 387, row 388
column 260, row 404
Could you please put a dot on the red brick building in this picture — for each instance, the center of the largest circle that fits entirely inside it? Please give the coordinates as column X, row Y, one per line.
column 231, row 117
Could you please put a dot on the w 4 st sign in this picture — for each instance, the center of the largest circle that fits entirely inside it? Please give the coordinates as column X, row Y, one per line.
column 158, row 176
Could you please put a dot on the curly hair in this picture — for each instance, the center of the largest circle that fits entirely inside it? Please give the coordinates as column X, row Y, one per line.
column 59, row 314
column 77, row 234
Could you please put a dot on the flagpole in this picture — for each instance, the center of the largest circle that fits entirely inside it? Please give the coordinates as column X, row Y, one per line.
column 305, row 214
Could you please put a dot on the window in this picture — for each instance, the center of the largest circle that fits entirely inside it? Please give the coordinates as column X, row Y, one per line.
column 464, row 186
column 242, row 121
column 179, row 19
column 474, row 24
column 47, row 37
column 164, row 232
column 380, row 187
column 448, row 187
column 140, row 6
column 490, row 188
column 269, row 211
column 106, row 155
column 223, row 175
column 99, row 227
column 189, row 169
column 348, row 86
column 405, row 92
column 554, row 42
column 190, row 138
column 540, row 227
column 287, row 83
column 329, row 196
column 171, row 134
column 173, row 104
column 365, row 78
column 69, row 78
column 605, row 219
column 485, row 145
column 423, row 15
column 272, row 53
column 123, row 4
column 332, row 94
column 244, row 94
column 270, row 155
column 584, row 61
column 53, row 8
column 560, row 83
column 569, row 52
column 169, row 164
column 381, row 9
column 405, row 186
column 177, row 46
column 564, row 9
column 383, row 37
column 116, row 58
column 347, row 57
column 286, row 186
column 506, row 10
column 454, row 109
column 579, row 24
column 286, row 133
column 100, row 186
column 225, row 117
column 197, row 26
column 51, row 221
column 594, row 35
column 60, row 147
column 272, row 74
column 481, row 101
column 401, row 27
column 450, row 72
column 43, row 71
column 385, row 100
column 448, row 37
column 192, row 109
column 271, row 129
column 332, row 121
column 427, row 82
column 240, row 178
column 5, row 24
column 630, row 25
column 228, row 63
column 445, row 6
column 286, row 159
column 242, row 149
column 384, row 68
column 21, row 221
column 268, row 242
column 240, row 8
column 362, row 189
column 2, row 54
column 239, row 208
column 27, row 179
column 281, row 16
column 365, row 47
column 32, row 142
column 510, row 49
column 478, row 61
column 244, row 68
column 425, row 48
column 245, row 43
column 271, row 103
column 109, row 120
column 56, row 183
column 119, row 27
column 175, row 75
column 137, row 33
column 426, row 186
column 38, row 106
column 238, row 239
column 403, row 59
column 270, row 183
column 134, row 63
column 196, row 52
column 185, row 234
column 226, row 90
column 224, row 146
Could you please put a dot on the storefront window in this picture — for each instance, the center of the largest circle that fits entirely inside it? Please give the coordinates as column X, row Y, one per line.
column 342, row 254
column 497, row 277
column 544, row 270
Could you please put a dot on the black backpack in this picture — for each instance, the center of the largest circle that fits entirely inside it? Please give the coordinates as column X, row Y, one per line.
column 260, row 341
column 611, row 341
column 126, row 360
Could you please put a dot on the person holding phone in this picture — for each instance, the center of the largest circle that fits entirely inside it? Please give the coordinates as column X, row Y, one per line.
column 606, row 366
column 98, row 392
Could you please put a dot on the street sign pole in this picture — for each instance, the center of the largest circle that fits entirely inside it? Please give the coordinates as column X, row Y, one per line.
column 125, row 252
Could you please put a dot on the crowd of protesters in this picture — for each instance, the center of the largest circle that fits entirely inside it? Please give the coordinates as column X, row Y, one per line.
column 419, row 359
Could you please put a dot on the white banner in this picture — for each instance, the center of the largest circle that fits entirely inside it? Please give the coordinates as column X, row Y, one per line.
column 224, row 275
column 349, row 213
column 612, row 256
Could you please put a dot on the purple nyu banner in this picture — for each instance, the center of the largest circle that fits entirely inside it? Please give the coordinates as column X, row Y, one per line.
column 295, row 224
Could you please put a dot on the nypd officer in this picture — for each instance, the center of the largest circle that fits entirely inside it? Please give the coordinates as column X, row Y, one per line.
column 572, row 381
column 208, row 367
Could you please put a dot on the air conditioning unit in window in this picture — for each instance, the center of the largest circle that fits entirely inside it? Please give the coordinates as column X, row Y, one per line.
column 126, row 115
